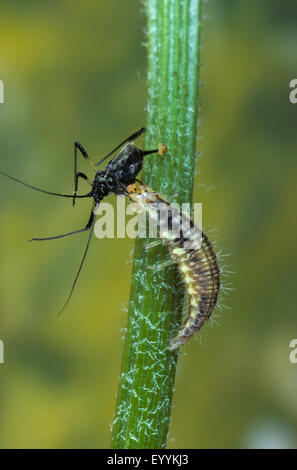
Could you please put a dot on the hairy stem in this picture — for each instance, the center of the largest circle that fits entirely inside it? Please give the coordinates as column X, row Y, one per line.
column 156, row 301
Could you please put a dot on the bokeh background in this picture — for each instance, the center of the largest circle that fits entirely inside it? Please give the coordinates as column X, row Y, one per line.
column 77, row 70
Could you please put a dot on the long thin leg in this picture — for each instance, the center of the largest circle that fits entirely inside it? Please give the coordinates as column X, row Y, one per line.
column 87, row 227
column 79, row 175
column 40, row 190
column 58, row 236
column 91, row 227
column 127, row 141
column 77, row 145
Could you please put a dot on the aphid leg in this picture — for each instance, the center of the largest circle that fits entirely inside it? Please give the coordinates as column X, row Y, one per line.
column 87, row 227
column 77, row 145
column 90, row 226
column 92, row 217
column 79, row 175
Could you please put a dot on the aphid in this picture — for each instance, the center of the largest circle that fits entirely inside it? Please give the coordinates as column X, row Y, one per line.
column 120, row 172
column 192, row 252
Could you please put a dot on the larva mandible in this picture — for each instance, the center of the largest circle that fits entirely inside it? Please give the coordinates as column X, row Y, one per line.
column 193, row 253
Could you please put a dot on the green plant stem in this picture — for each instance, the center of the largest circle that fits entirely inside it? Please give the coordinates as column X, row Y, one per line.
column 156, row 301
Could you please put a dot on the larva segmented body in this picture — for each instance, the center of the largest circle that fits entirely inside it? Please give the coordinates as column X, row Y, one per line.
column 193, row 253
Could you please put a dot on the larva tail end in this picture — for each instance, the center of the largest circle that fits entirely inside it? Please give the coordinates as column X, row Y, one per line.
column 176, row 342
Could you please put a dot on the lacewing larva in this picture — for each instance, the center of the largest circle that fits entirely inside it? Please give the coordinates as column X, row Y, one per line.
column 193, row 253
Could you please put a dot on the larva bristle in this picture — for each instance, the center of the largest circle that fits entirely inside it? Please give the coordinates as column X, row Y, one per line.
column 194, row 255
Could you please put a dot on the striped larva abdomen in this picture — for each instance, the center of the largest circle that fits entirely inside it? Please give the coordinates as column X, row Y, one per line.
column 190, row 248
column 201, row 276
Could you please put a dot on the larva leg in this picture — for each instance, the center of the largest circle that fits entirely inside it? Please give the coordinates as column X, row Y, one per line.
column 149, row 246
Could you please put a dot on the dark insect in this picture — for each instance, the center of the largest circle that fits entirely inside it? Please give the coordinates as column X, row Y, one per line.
column 120, row 172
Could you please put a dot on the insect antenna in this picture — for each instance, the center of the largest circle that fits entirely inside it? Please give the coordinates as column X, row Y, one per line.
column 91, row 226
column 127, row 141
column 40, row 190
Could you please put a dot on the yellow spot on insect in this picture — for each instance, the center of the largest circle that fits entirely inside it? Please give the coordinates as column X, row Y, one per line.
column 162, row 148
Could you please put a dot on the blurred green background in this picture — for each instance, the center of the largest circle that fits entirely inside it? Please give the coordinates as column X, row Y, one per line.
column 77, row 70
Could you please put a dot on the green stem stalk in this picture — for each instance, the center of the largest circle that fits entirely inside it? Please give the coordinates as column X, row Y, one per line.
column 156, row 301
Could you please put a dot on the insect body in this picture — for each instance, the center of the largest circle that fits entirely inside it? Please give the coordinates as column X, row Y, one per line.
column 120, row 172
column 192, row 252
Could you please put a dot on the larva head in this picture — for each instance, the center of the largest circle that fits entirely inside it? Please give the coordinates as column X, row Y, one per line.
column 141, row 197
